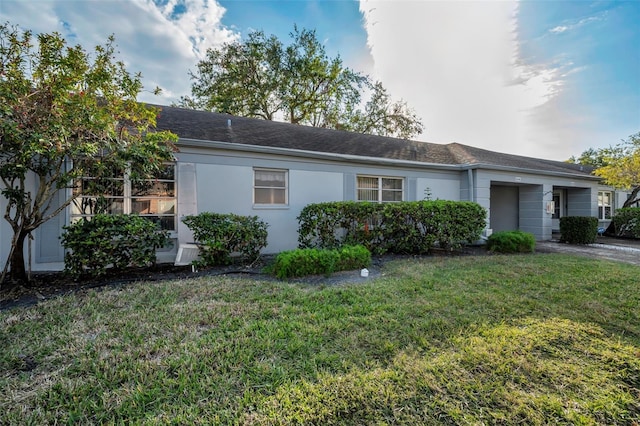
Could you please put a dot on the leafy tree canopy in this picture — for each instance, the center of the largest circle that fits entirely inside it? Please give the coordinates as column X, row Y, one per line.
column 618, row 166
column 591, row 157
column 65, row 113
column 262, row 78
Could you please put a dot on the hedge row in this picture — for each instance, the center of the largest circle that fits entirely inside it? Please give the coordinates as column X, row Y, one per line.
column 119, row 241
column 411, row 227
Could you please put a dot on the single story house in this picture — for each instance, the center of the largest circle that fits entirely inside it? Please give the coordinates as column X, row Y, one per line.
column 229, row 164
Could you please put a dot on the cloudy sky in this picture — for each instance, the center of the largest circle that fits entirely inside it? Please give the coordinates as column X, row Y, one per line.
column 537, row 78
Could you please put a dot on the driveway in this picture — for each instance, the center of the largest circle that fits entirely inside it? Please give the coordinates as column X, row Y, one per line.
column 615, row 249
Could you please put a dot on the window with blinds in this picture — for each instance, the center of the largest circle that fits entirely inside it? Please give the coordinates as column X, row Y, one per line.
column 380, row 189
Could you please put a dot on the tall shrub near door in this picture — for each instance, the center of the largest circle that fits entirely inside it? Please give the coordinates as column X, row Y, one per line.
column 221, row 235
column 578, row 229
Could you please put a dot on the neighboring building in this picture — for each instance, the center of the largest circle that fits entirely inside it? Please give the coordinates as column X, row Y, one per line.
column 230, row 164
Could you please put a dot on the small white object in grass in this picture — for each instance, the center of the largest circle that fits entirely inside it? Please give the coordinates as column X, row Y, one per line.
column 364, row 272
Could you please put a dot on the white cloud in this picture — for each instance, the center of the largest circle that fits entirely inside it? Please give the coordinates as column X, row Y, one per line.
column 576, row 24
column 162, row 45
column 458, row 64
column 197, row 21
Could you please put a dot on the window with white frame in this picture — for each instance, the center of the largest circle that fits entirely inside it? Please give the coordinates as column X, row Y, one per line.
column 380, row 189
column 153, row 199
column 605, row 203
column 270, row 186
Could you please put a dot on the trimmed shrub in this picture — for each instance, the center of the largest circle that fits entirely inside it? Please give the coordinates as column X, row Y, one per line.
column 221, row 235
column 332, row 224
column 312, row 261
column 409, row 227
column 111, row 241
column 578, row 229
column 627, row 222
column 511, row 242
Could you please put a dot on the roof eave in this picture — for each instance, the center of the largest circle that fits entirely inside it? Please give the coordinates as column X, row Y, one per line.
column 526, row 170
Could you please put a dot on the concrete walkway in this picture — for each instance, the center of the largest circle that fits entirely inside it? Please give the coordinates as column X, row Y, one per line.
column 615, row 249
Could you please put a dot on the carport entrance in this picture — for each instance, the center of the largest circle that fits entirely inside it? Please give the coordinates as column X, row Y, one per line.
column 519, row 207
column 504, row 208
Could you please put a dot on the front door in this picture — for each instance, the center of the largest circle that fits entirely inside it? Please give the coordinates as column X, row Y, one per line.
column 559, row 209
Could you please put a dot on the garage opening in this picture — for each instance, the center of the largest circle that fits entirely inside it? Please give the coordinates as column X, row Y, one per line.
column 504, row 208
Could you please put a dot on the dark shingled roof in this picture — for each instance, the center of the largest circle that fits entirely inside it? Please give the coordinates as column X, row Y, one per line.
column 470, row 155
column 211, row 126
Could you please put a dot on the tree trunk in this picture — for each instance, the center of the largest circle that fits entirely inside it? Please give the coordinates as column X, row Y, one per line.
column 611, row 230
column 17, row 272
column 632, row 198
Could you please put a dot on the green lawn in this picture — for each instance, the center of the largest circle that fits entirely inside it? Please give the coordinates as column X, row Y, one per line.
column 532, row 339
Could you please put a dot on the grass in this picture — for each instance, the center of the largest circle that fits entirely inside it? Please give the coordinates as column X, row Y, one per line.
column 533, row 339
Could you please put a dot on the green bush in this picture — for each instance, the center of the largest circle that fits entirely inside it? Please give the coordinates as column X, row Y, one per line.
column 578, row 229
column 409, row 227
column 221, row 235
column 332, row 224
column 111, row 241
column 511, row 242
column 312, row 261
column 627, row 222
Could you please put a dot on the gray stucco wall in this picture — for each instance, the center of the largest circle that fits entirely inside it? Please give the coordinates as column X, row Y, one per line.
column 532, row 216
column 225, row 185
column 582, row 202
column 445, row 187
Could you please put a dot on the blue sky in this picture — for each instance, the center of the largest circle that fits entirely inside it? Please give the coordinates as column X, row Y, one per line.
column 540, row 78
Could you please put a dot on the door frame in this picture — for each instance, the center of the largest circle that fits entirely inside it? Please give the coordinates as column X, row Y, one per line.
column 560, row 208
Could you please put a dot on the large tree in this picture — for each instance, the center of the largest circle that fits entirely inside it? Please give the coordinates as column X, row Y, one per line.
column 262, row 78
column 621, row 167
column 65, row 113
column 617, row 165
column 382, row 116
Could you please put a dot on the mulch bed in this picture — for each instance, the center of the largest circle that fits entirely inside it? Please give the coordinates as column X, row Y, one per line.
column 46, row 285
